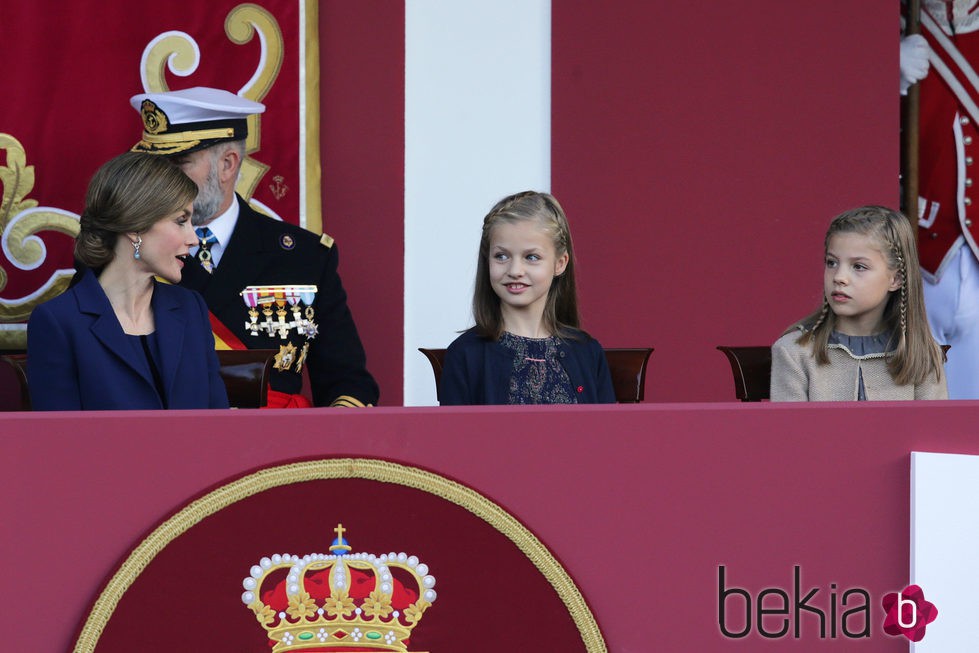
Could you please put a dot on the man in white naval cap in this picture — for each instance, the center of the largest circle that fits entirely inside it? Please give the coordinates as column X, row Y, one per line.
column 203, row 130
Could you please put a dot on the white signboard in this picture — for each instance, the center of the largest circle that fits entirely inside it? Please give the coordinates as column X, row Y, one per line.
column 945, row 547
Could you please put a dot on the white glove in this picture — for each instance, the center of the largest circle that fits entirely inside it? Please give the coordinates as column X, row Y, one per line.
column 914, row 61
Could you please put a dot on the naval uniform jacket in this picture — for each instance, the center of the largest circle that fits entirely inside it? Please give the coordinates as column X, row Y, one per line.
column 79, row 358
column 262, row 252
column 476, row 371
column 949, row 149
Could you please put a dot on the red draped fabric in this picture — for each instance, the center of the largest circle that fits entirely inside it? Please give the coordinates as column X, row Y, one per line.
column 69, row 71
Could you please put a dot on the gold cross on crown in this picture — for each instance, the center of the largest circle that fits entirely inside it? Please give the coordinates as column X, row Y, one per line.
column 340, row 546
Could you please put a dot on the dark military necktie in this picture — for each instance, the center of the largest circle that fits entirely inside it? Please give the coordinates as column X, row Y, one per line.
column 204, row 253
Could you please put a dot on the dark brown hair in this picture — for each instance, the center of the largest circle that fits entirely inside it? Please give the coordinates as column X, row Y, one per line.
column 128, row 194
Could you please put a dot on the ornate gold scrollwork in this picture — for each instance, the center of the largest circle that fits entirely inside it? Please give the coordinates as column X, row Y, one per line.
column 180, row 53
column 243, row 22
column 176, row 50
column 20, row 219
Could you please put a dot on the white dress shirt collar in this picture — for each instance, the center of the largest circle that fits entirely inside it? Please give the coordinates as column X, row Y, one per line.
column 222, row 227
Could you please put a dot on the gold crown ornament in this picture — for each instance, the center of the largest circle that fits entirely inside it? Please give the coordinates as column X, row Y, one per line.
column 339, row 601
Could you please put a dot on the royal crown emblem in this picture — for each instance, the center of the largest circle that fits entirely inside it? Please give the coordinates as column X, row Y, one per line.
column 340, row 601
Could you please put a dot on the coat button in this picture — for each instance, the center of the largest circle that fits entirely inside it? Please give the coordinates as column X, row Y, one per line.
column 934, row 235
column 968, row 182
column 964, row 120
column 968, row 223
column 968, row 160
column 967, row 140
column 563, row 354
column 967, row 201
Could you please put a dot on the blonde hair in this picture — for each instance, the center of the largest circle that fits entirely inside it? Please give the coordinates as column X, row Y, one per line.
column 915, row 354
column 561, row 309
column 128, row 194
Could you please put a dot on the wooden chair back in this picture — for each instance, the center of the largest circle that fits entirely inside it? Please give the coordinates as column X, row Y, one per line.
column 435, row 357
column 14, row 395
column 627, row 366
column 751, row 368
column 628, row 369
column 246, row 374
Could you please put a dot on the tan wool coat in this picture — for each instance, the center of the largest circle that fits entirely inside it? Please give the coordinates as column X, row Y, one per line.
column 796, row 376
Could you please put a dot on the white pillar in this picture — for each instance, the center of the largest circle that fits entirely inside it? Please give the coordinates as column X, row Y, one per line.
column 477, row 128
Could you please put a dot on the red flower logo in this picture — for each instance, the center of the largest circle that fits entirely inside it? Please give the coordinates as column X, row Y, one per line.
column 908, row 613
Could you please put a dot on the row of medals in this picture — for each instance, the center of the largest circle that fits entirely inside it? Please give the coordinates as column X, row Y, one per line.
column 303, row 325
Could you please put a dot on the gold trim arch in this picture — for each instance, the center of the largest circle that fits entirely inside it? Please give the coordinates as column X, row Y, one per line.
column 341, row 468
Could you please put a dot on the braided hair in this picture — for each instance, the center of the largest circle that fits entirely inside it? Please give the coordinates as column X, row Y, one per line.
column 914, row 353
column 561, row 309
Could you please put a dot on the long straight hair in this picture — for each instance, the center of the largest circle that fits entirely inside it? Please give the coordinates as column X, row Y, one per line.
column 561, row 309
column 915, row 354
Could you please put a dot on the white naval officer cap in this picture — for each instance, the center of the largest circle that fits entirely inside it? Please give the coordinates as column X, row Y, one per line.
column 179, row 122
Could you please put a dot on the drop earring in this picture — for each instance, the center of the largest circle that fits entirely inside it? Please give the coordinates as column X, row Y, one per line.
column 136, row 245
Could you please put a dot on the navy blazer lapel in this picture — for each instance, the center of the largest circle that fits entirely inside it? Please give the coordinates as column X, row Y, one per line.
column 105, row 326
column 170, row 329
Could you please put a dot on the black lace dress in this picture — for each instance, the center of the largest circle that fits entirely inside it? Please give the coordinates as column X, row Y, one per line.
column 537, row 376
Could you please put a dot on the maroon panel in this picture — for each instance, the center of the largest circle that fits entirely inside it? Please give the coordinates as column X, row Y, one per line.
column 641, row 504
column 85, row 118
column 362, row 76
column 74, row 77
column 700, row 153
column 481, row 575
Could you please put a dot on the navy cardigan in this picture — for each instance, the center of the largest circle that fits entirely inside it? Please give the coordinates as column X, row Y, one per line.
column 477, row 370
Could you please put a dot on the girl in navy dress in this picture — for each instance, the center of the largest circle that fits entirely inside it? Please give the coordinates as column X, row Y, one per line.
column 526, row 347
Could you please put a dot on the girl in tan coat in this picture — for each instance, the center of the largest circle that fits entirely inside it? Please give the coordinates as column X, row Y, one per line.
column 869, row 341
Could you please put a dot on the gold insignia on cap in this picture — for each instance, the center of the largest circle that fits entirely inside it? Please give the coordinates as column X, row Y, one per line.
column 286, row 242
column 154, row 120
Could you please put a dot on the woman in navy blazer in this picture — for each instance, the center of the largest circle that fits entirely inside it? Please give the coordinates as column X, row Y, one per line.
column 118, row 338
